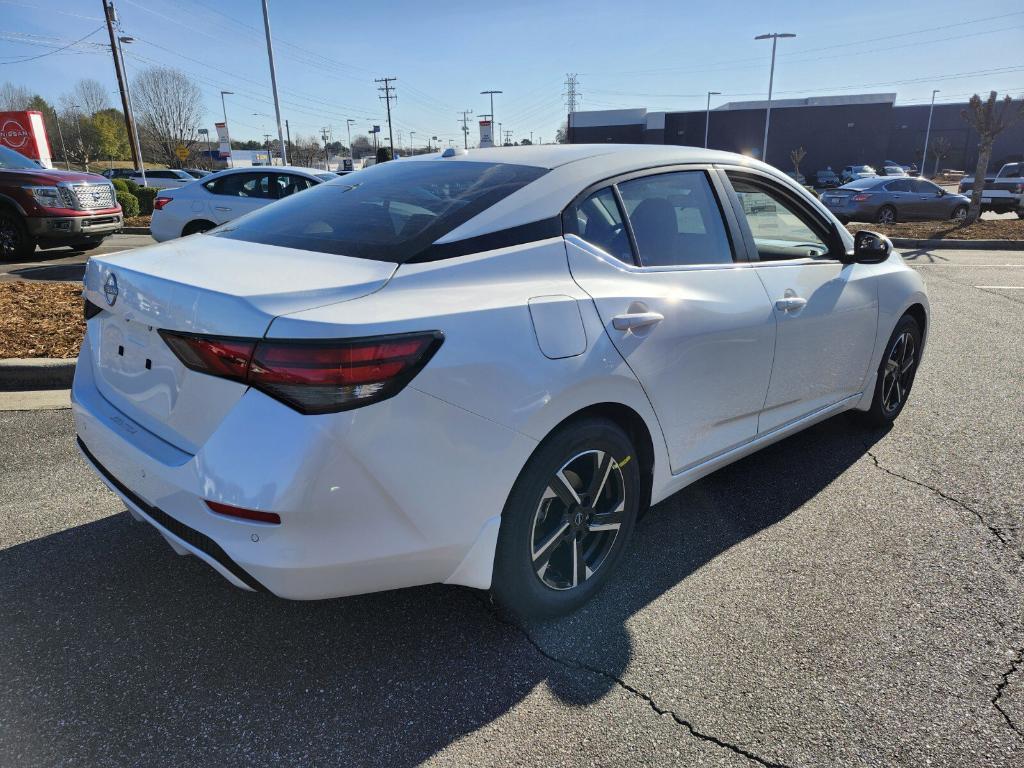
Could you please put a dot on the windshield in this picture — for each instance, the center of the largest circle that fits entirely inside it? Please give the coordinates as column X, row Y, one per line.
column 389, row 212
column 15, row 161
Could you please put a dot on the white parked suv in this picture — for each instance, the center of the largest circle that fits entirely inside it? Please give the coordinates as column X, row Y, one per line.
column 479, row 368
column 221, row 197
column 164, row 178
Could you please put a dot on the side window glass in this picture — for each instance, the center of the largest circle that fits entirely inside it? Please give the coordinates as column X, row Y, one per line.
column 599, row 222
column 676, row 220
column 256, row 185
column 288, row 184
column 901, row 185
column 923, row 187
column 780, row 229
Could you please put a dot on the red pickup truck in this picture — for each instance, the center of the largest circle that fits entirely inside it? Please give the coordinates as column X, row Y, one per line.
column 50, row 208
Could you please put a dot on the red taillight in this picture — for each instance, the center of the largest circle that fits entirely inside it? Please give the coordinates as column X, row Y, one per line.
column 861, row 197
column 160, row 202
column 244, row 514
column 312, row 376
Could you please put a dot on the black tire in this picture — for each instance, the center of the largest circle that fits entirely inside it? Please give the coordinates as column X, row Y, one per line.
column 535, row 515
column 15, row 241
column 87, row 245
column 886, row 215
column 884, row 410
column 197, row 227
column 959, row 213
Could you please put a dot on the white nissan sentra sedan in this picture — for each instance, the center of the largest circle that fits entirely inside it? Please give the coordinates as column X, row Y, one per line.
column 479, row 368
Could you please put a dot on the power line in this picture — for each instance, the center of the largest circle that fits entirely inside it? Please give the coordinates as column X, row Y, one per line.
column 50, row 53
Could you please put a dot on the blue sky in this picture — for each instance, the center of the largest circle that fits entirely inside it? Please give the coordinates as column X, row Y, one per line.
column 659, row 55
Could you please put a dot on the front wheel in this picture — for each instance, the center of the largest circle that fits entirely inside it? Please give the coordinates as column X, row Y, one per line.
column 886, row 215
column 960, row 214
column 896, row 372
column 15, row 241
column 567, row 520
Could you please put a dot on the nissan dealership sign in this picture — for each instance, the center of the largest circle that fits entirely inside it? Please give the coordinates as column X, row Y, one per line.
column 25, row 132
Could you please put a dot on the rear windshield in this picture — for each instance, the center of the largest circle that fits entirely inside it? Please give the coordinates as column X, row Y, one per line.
column 388, row 212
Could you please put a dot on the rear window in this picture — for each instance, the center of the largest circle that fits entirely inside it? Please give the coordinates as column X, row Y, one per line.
column 389, row 212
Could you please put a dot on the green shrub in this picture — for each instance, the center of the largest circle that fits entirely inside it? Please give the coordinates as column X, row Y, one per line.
column 145, row 195
column 129, row 203
column 121, row 185
column 132, row 186
column 383, row 154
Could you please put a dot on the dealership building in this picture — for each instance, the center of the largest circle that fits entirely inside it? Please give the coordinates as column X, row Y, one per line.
column 835, row 131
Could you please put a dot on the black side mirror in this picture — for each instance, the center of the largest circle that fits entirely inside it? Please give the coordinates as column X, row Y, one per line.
column 870, row 248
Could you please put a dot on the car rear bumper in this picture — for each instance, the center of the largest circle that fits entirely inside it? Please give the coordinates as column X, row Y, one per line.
column 404, row 492
column 72, row 229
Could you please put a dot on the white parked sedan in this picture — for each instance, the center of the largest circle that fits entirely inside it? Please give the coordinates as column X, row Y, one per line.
column 166, row 178
column 479, row 368
column 201, row 205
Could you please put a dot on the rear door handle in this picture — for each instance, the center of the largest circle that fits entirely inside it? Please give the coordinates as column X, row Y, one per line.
column 636, row 320
column 791, row 303
column 221, row 208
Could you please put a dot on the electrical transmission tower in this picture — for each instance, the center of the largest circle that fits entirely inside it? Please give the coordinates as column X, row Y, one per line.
column 508, row 138
column 572, row 92
column 389, row 94
column 465, row 127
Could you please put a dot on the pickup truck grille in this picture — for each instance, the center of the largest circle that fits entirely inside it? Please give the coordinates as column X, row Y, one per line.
column 89, row 197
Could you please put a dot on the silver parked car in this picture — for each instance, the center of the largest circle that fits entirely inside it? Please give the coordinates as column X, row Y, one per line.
column 886, row 200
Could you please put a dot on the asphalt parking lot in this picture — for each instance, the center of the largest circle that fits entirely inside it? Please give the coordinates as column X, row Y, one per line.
column 65, row 263
column 847, row 597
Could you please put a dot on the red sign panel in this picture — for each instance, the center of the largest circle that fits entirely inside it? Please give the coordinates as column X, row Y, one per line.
column 25, row 132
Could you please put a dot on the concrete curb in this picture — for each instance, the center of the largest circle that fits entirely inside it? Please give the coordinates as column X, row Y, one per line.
column 20, row 373
column 134, row 231
column 965, row 245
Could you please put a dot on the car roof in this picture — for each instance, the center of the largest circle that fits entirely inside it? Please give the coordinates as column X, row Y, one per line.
column 275, row 168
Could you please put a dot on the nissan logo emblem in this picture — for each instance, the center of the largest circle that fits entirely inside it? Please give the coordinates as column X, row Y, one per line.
column 110, row 289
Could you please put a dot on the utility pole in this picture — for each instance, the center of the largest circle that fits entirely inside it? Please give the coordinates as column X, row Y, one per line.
column 270, row 152
column 508, row 138
column 288, row 133
column 707, row 116
column 325, row 133
column 927, row 135
column 572, row 92
column 351, row 154
column 129, row 122
column 388, row 91
column 465, row 127
column 412, row 142
column 774, row 37
column 273, row 85
column 499, row 135
column 60, row 133
column 491, row 116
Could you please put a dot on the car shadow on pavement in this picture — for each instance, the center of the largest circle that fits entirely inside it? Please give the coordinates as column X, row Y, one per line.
column 56, row 272
column 114, row 651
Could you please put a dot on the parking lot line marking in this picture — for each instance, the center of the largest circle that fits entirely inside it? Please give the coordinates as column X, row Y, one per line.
column 1002, row 287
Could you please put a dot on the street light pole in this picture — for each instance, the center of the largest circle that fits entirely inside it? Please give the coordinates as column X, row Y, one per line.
column 927, row 135
column 131, row 108
column 273, row 85
column 707, row 116
column 351, row 154
column 774, row 36
column 227, row 132
column 491, row 118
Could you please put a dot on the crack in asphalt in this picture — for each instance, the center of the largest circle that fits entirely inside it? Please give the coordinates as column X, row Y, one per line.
column 995, row 530
column 618, row 681
column 1003, row 683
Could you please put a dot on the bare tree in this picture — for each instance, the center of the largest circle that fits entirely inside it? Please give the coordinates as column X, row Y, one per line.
column 989, row 120
column 91, row 96
column 14, row 98
column 796, row 156
column 168, row 109
column 562, row 134
column 940, row 149
column 304, row 151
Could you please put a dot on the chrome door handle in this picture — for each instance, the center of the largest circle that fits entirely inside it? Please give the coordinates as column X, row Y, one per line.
column 790, row 303
column 636, row 320
column 220, row 208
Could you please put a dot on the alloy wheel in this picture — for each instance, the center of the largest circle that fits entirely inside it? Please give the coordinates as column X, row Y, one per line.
column 960, row 214
column 10, row 237
column 886, row 216
column 899, row 372
column 578, row 520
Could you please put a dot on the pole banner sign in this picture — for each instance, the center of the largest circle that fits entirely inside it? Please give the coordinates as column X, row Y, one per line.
column 223, row 139
column 25, row 132
column 486, row 133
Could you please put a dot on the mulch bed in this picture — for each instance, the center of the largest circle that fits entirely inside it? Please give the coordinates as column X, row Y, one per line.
column 137, row 221
column 40, row 319
column 983, row 229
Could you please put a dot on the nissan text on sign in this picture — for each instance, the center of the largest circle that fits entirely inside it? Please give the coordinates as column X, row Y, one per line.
column 25, row 132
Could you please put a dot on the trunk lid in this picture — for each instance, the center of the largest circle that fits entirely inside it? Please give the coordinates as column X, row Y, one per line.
column 205, row 285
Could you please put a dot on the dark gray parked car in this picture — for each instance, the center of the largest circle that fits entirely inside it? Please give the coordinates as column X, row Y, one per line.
column 887, row 199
